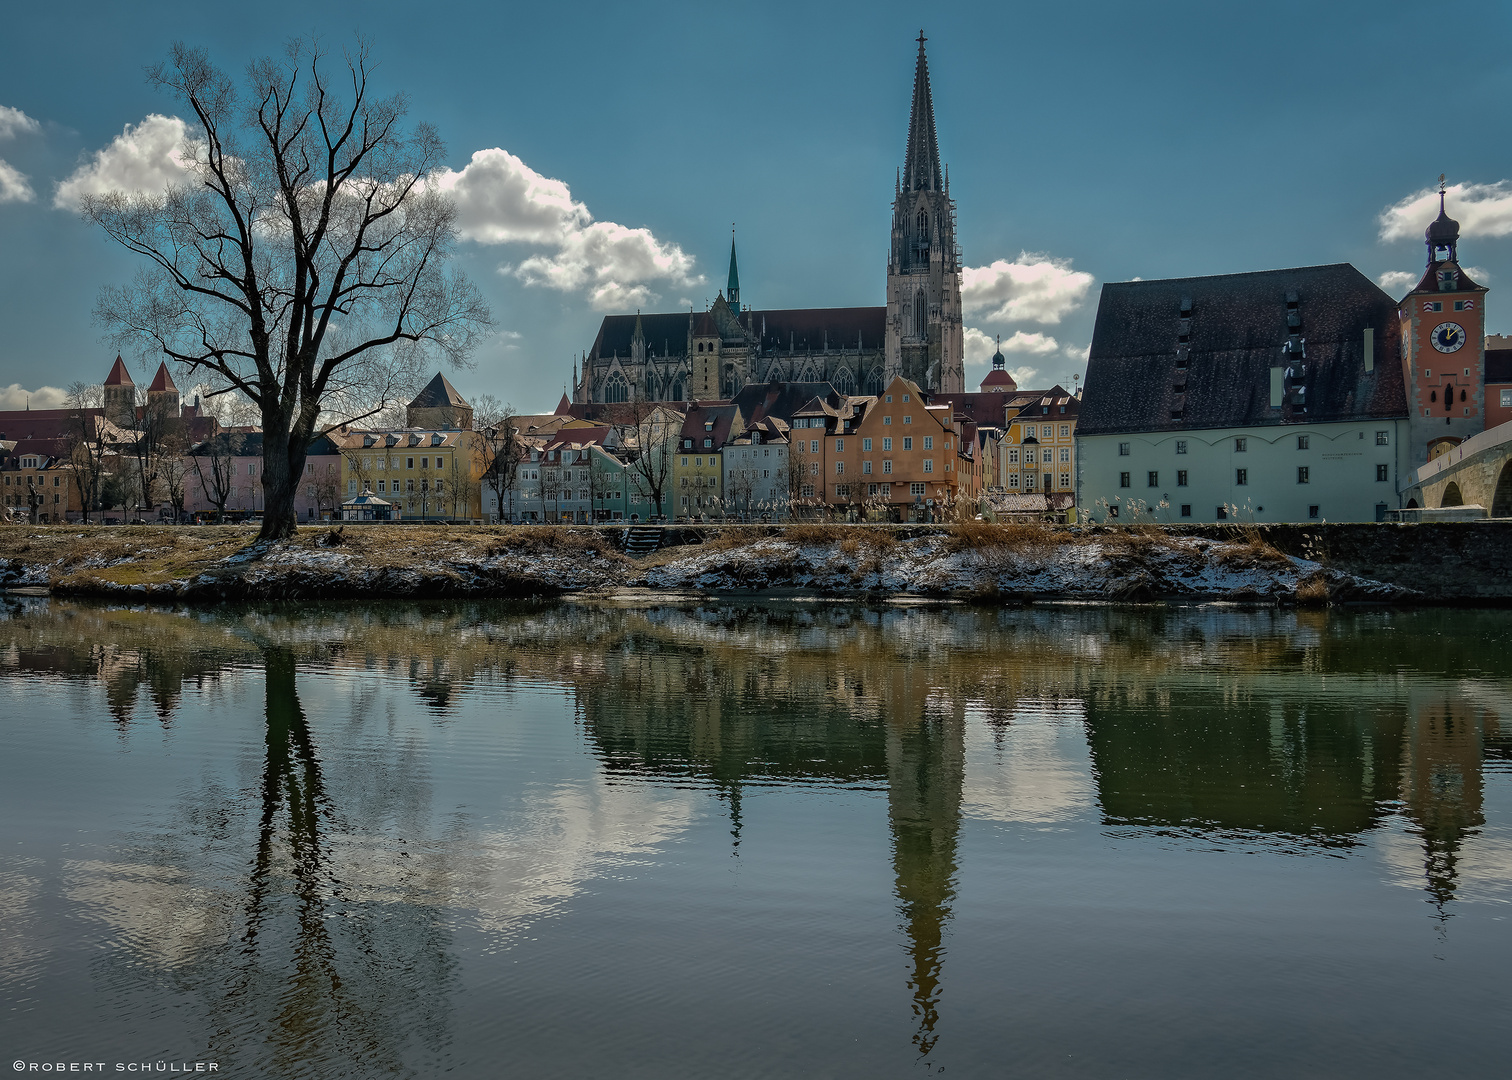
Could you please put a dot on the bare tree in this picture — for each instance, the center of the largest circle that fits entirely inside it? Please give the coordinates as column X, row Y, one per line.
column 303, row 264
column 214, row 463
column 501, row 446
column 647, row 431
column 551, row 488
column 328, row 490
column 173, row 470
column 88, row 442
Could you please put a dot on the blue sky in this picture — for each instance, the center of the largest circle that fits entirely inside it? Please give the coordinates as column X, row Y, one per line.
column 1087, row 142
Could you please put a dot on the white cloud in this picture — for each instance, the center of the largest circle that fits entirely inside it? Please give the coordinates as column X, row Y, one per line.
column 1081, row 352
column 14, row 122
column 1032, row 288
column 1397, row 282
column 16, row 396
column 1481, row 209
column 981, row 345
column 13, row 185
column 148, row 157
column 501, row 200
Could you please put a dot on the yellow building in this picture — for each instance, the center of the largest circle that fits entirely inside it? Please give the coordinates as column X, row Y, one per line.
column 1040, row 447
column 430, row 475
column 698, row 463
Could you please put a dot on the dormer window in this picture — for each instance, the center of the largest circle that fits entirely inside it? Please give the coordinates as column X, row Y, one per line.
column 1448, row 280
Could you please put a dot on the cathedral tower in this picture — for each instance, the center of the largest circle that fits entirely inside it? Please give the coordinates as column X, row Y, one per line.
column 925, row 341
column 1443, row 347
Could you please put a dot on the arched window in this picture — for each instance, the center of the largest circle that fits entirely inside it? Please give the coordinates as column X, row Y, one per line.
column 844, row 381
column 677, row 391
column 920, row 320
column 616, row 390
column 874, row 381
column 923, row 225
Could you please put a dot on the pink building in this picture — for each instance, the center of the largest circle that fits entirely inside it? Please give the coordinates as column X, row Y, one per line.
column 233, row 468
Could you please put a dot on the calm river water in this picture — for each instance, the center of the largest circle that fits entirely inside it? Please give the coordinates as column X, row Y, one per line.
column 708, row 840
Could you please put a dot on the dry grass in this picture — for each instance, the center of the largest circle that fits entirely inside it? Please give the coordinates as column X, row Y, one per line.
column 1312, row 591
column 536, row 540
column 1251, row 551
column 1012, row 536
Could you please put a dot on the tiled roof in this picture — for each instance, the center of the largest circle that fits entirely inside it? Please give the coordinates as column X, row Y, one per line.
column 119, row 376
column 439, row 393
column 161, row 381
column 782, row 399
column 779, row 330
column 1237, row 326
column 724, row 416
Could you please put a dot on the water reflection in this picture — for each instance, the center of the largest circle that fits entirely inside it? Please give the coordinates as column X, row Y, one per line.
column 321, row 925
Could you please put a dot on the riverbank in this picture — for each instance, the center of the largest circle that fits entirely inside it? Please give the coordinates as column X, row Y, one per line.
column 975, row 562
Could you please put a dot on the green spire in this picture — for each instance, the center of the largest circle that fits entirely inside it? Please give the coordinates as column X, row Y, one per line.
column 732, row 289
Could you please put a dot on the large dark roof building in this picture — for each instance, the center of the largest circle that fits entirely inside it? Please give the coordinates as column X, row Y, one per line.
column 1242, row 350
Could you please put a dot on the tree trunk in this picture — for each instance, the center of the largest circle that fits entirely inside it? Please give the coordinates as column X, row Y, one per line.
column 283, row 464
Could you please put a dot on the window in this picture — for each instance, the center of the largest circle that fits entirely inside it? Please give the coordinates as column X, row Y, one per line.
column 1303, row 442
column 866, row 467
column 1112, row 511
column 1241, row 445
column 839, row 468
column 1047, row 432
column 1181, row 478
column 380, row 488
column 929, row 464
column 887, row 420
column 1013, row 456
column 685, row 462
column 814, row 469
column 441, row 485
column 808, row 491
column 1302, row 475
column 887, row 466
column 842, row 491
column 1065, row 431
column 1123, row 479
column 813, row 446
column 352, row 487
column 1383, row 472
column 929, row 442
column 1312, row 512
column 1153, row 479
column 908, row 443
column 889, row 399
column 908, row 419
column 1186, row 509
column 1181, row 446
column 1065, row 480
column 916, row 488
column 1383, row 438
column 409, row 486
column 905, row 399
column 839, row 446
column 698, row 463
column 887, row 444
column 1222, row 514
column 708, row 443
column 1123, row 449
column 866, row 446
column 1065, row 455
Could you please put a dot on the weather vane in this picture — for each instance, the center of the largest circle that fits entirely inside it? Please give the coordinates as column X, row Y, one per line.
column 1441, row 183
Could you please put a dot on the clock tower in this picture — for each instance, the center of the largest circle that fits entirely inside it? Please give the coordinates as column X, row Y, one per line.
column 1443, row 347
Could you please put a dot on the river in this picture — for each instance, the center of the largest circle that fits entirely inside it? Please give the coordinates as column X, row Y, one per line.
column 734, row 840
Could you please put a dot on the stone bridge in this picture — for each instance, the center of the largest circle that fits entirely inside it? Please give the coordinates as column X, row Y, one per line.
column 1477, row 472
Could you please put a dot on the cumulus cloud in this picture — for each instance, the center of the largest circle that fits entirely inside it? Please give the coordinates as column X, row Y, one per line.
column 980, row 346
column 1397, row 282
column 16, row 396
column 1079, row 352
column 147, row 157
column 1481, row 209
column 14, row 122
column 501, row 200
column 1031, row 288
column 13, row 185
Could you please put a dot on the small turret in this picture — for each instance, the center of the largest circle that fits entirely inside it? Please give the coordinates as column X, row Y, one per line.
column 732, row 287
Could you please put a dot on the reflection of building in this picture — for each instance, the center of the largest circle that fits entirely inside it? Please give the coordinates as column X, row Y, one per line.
column 1441, row 782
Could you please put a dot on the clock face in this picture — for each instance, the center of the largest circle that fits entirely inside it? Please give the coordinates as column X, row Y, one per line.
column 1448, row 337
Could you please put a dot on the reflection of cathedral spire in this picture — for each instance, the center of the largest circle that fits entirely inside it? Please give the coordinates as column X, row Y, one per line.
column 925, row 769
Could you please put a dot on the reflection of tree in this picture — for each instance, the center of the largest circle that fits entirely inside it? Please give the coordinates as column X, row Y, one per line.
column 1441, row 786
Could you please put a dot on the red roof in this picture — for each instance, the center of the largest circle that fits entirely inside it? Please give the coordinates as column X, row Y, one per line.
column 999, row 377
column 564, row 406
column 161, row 381
column 119, row 376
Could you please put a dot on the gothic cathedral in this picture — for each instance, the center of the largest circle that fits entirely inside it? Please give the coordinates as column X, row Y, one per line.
column 713, row 354
column 925, row 341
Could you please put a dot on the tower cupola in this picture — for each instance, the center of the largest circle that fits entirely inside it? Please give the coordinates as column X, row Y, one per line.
column 1442, row 234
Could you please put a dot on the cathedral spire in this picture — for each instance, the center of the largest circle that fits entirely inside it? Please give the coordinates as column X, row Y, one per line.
column 921, row 164
column 732, row 288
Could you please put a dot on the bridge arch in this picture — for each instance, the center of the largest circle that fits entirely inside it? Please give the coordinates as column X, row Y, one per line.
column 1452, row 496
column 1501, row 501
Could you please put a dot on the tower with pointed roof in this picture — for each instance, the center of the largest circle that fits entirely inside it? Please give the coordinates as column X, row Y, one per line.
column 163, row 395
column 732, row 287
column 925, row 339
column 439, row 406
column 120, row 395
column 1443, row 325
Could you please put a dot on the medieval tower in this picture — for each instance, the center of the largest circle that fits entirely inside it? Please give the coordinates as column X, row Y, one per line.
column 925, row 341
